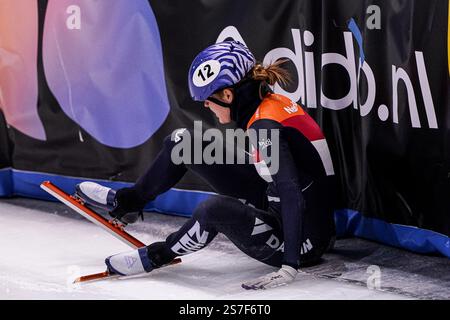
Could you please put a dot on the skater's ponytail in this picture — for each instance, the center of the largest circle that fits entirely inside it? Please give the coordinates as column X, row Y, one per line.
column 272, row 73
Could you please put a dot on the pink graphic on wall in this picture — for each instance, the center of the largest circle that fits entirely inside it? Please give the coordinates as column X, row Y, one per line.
column 18, row 68
column 103, row 63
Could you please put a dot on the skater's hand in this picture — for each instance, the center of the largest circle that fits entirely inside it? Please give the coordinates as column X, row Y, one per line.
column 279, row 278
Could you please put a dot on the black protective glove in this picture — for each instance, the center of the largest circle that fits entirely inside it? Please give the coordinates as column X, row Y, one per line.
column 128, row 205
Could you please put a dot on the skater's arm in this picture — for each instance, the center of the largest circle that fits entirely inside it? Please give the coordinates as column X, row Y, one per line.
column 285, row 176
column 292, row 204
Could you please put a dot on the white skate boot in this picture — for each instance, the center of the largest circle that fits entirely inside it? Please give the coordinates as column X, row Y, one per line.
column 130, row 263
column 105, row 198
column 96, row 195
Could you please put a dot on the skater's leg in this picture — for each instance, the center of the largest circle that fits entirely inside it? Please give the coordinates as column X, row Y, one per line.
column 253, row 231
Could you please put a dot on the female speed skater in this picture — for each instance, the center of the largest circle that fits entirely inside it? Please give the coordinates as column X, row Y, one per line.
column 283, row 217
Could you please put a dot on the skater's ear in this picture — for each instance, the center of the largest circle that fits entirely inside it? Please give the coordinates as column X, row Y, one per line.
column 227, row 95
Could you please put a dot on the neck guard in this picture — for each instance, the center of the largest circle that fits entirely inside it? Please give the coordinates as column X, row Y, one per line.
column 248, row 95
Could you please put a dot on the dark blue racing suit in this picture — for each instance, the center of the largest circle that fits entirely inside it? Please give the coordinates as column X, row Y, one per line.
column 280, row 213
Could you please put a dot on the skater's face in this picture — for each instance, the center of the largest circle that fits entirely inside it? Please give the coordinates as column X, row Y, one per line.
column 222, row 113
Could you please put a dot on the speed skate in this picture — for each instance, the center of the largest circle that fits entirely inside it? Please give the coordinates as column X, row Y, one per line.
column 112, row 226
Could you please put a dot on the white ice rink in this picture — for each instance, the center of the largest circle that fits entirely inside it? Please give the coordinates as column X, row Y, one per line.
column 44, row 246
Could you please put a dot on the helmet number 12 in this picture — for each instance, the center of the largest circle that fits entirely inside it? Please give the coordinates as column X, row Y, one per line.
column 205, row 73
column 207, row 69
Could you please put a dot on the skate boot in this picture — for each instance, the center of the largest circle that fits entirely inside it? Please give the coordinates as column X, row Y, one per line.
column 130, row 263
column 105, row 198
column 96, row 195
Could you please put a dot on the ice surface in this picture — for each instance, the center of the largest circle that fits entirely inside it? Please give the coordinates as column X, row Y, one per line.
column 44, row 246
